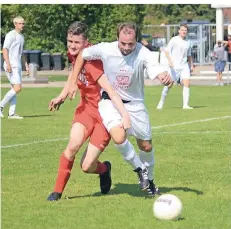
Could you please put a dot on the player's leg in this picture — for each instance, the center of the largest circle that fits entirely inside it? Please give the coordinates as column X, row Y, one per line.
column 143, row 134
column 77, row 137
column 112, row 119
column 164, row 93
column 99, row 140
column 174, row 75
column 185, row 76
column 81, row 129
column 15, row 79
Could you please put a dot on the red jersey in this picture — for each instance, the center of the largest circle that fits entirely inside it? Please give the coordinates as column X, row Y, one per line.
column 87, row 84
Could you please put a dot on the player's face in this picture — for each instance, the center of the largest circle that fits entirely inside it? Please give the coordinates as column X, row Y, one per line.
column 127, row 42
column 183, row 31
column 19, row 25
column 75, row 43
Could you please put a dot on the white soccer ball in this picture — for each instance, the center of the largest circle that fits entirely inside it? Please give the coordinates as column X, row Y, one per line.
column 167, row 207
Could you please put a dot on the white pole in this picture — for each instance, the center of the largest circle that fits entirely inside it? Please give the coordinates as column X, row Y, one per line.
column 219, row 24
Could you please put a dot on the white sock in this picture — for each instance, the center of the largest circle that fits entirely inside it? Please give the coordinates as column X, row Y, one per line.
column 12, row 103
column 185, row 96
column 9, row 95
column 129, row 154
column 147, row 159
column 164, row 94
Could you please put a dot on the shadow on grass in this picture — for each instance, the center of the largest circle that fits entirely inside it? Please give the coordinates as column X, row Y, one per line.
column 133, row 190
column 36, row 116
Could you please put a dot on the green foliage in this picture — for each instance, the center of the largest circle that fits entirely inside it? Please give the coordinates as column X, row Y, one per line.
column 46, row 25
column 175, row 13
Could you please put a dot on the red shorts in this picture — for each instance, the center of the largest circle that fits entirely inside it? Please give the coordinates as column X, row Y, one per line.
column 98, row 134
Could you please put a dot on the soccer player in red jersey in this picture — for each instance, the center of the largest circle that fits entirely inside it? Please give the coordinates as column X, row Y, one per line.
column 87, row 122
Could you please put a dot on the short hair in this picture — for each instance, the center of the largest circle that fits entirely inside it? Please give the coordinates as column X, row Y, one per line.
column 18, row 18
column 128, row 25
column 183, row 25
column 78, row 28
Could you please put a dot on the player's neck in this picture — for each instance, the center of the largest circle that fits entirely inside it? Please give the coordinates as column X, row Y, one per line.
column 18, row 31
column 183, row 38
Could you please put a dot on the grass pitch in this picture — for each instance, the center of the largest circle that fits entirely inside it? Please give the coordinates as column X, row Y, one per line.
column 192, row 162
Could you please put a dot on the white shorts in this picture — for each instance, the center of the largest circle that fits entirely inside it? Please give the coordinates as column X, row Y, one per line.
column 15, row 77
column 180, row 73
column 140, row 123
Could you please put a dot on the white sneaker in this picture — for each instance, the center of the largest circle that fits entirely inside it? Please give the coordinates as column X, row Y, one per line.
column 217, row 84
column 187, row 107
column 1, row 114
column 221, row 84
column 160, row 106
column 14, row 116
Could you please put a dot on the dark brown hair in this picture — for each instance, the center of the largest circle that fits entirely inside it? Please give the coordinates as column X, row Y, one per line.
column 78, row 28
column 183, row 25
column 128, row 25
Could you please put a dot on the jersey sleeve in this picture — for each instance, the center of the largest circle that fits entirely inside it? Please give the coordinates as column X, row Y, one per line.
column 153, row 67
column 95, row 68
column 9, row 39
column 94, row 52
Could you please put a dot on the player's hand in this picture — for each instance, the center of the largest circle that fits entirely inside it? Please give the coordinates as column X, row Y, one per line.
column 72, row 90
column 165, row 78
column 126, row 122
column 8, row 68
column 192, row 67
column 55, row 104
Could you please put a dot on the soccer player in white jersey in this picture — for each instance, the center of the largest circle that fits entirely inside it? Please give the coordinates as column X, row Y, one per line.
column 178, row 53
column 12, row 53
column 124, row 62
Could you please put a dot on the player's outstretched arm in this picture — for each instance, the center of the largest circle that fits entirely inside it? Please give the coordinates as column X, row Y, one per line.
column 115, row 98
column 72, row 80
column 169, row 59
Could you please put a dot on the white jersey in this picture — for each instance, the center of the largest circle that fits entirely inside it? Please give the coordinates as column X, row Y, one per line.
column 179, row 50
column 14, row 42
column 125, row 73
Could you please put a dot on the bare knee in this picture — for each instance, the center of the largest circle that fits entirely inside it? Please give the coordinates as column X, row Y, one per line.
column 17, row 88
column 118, row 135
column 86, row 167
column 71, row 151
column 145, row 146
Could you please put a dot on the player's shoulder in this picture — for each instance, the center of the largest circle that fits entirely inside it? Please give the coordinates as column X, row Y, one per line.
column 11, row 33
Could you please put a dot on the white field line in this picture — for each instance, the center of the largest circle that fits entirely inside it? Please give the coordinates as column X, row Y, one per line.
column 190, row 122
column 154, row 127
column 193, row 132
column 32, row 143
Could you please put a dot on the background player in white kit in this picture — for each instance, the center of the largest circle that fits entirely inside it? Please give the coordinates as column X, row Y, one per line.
column 12, row 53
column 178, row 53
column 124, row 62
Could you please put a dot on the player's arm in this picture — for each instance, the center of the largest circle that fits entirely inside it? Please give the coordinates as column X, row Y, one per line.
column 169, row 59
column 167, row 52
column 190, row 61
column 94, row 52
column 72, row 79
column 115, row 98
column 55, row 103
column 5, row 51
column 155, row 70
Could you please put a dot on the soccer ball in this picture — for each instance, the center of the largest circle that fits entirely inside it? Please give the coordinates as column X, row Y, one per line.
column 167, row 207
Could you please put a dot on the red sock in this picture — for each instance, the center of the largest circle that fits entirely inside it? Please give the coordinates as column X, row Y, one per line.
column 101, row 168
column 64, row 173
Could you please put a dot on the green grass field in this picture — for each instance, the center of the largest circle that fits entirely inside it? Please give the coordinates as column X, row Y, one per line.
column 192, row 162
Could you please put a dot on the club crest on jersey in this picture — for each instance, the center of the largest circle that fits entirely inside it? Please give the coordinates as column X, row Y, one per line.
column 82, row 77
